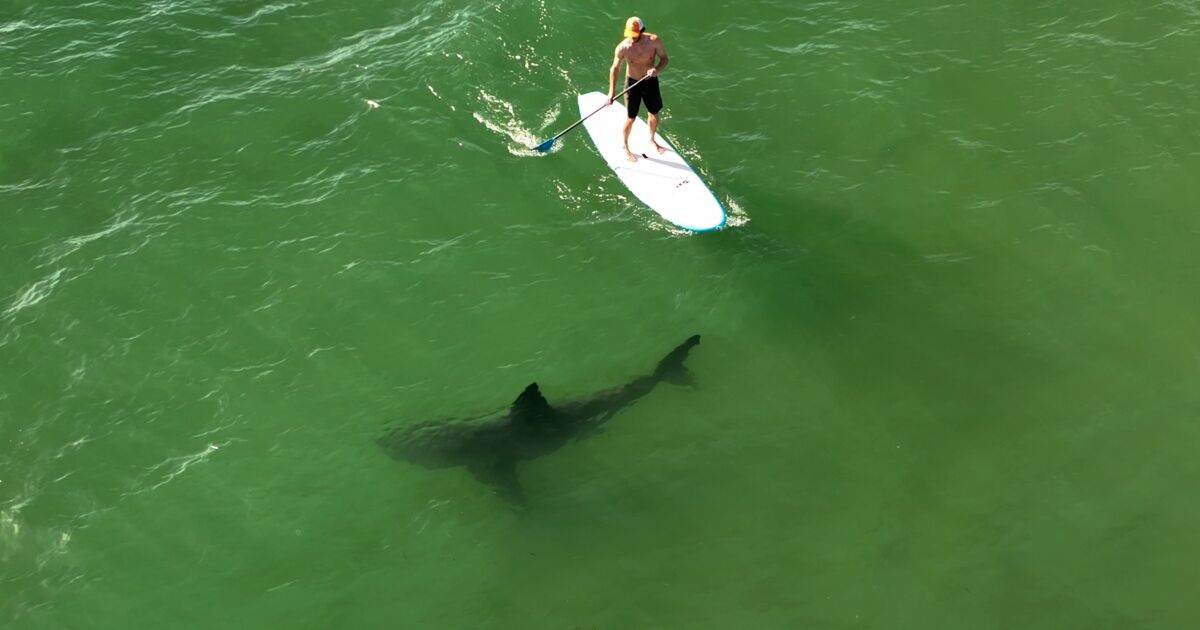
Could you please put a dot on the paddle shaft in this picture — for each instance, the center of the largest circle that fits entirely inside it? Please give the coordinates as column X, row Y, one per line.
column 580, row 121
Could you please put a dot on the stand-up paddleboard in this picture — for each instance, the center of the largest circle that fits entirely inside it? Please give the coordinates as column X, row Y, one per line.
column 664, row 182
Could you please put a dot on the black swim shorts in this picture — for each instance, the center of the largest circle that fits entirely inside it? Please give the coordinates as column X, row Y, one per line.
column 645, row 91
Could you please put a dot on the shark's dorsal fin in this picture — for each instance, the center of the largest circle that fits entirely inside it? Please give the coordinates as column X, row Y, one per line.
column 531, row 404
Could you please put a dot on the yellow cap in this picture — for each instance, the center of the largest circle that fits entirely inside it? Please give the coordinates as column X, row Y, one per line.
column 634, row 26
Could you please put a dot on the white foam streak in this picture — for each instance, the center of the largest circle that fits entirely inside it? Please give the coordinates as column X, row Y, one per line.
column 178, row 466
column 35, row 293
column 503, row 120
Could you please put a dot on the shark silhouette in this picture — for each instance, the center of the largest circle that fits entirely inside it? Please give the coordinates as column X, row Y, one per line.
column 491, row 446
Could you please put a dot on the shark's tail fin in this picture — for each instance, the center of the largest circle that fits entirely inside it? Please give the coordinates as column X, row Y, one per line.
column 671, row 367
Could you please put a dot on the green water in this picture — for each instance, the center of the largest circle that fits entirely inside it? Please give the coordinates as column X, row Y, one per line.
column 950, row 359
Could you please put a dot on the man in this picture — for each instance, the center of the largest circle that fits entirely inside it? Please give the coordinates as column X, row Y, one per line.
column 639, row 49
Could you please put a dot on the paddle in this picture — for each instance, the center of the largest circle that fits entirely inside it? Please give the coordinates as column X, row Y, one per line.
column 545, row 146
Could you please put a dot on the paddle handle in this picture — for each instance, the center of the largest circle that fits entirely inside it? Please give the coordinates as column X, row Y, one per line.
column 580, row 121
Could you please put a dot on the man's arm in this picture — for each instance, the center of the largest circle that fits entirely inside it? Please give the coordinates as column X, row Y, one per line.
column 612, row 72
column 662, row 56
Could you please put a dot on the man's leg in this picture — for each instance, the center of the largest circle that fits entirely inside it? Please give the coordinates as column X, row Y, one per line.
column 653, row 99
column 628, row 155
column 653, row 119
column 633, row 101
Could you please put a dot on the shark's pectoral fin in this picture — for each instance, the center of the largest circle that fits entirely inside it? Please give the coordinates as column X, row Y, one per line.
column 682, row 377
column 502, row 477
column 531, row 405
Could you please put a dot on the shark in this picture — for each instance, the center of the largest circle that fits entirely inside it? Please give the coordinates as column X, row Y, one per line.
column 490, row 446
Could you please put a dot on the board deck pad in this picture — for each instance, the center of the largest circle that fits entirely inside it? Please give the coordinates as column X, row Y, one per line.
column 664, row 182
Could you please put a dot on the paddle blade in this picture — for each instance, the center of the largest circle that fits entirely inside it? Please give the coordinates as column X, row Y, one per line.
column 545, row 146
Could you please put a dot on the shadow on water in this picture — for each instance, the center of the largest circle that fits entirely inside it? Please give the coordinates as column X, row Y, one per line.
column 865, row 289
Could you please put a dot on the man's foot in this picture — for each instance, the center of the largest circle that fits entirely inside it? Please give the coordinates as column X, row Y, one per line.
column 630, row 156
column 661, row 150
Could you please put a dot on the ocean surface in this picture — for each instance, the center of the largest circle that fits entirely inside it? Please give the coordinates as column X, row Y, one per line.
column 950, row 364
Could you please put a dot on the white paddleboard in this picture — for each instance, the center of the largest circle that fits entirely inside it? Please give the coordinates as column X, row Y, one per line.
column 664, row 182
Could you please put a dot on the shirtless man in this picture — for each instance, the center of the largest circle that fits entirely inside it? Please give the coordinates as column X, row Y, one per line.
column 639, row 50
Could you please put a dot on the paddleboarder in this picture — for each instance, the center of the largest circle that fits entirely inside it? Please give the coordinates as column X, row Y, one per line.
column 644, row 57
